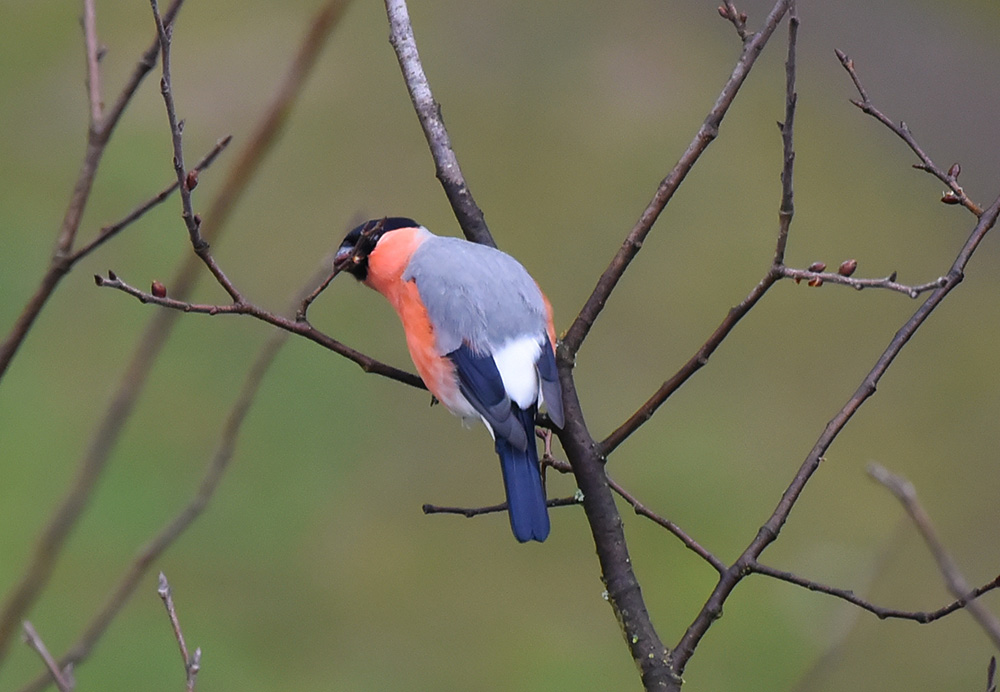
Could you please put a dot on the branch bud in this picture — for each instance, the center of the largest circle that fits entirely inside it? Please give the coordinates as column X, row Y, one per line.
column 191, row 181
column 954, row 171
column 847, row 267
column 949, row 197
column 815, row 281
column 817, row 266
column 158, row 290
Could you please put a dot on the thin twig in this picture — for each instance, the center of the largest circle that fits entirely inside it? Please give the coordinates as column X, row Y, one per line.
column 92, row 463
column 97, row 139
column 903, row 132
column 192, row 662
column 882, row 613
column 738, row 19
column 293, row 325
column 210, row 482
column 109, row 231
column 708, row 131
column 62, row 677
column 468, row 213
column 769, row 532
column 888, row 282
column 93, row 64
column 953, row 577
column 470, row 512
column 644, row 511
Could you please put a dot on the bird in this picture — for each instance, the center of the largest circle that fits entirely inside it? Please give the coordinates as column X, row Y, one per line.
column 480, row 333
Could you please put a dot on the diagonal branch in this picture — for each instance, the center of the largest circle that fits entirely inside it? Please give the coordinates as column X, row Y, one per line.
column 950, row 178
column 59, row 264
column 294, row 325
column 468, row 213
column 923, row 617
column 953, row 577
column 768, row 533
column 93, row 461
column 706, row 134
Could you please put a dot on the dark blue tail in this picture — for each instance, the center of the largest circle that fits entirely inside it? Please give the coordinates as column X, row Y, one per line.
column 529, row 517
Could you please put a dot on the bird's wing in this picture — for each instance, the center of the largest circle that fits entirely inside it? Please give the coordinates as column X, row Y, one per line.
column 480, row 383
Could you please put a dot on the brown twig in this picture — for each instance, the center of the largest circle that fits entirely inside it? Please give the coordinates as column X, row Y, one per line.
column 949, row 178
column 953, row 577
column 882, row 613
column 293, row 325
column 93, row 64
column 92, row 463
column 469, row 215
column 214, row 473
column 61, row 676
column 728, row 11
column 888, row 282
column 769, row 532
column 689, row 543
column 657, row 664
column 470, row 512
column 706, row 134
column 59, row 265
column 192, row 662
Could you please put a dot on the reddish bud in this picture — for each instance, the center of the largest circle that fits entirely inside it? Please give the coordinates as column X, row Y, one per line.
column 191, row 181
column 950, row 197
column 743, row 17
column 954, row 171
column 815, row 281
column 723, row 12
column 112, row 275
column 847, row 267
column 798, row 279
column 817, row 266
column 158, row 290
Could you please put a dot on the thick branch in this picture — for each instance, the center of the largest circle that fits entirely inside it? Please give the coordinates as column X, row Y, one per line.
column 768, row 533
column 468, row 213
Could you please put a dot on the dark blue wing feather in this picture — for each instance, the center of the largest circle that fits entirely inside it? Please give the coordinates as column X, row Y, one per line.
column 522, row 481
column 551, row 391
column 480, row 383
column 513, row 429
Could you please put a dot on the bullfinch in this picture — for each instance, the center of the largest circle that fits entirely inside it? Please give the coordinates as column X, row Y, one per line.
column 479, row 331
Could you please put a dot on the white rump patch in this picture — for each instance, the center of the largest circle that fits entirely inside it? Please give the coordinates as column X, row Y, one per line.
column 516, row 361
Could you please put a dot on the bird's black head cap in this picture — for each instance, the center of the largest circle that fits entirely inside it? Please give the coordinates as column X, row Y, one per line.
column 352, row 256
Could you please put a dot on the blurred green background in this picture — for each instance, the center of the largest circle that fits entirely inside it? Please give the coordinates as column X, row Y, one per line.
column 314, row 568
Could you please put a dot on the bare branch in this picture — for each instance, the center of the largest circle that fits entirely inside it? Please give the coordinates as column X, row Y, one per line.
column 787, row 208
column 708, row 131
column 768, row 533
column 293, row 325
column 953, row 577
column 470, row 512
column 109, row 231
column 468, row 213
column 728, row 11
column 58, row 266
column 192, row 662
column 949, row 178
column 922, row 617
column 92, row 463
column 63, row 677
column 691, row 544
column 818, row 278
column 93, row 64
column 214, row 473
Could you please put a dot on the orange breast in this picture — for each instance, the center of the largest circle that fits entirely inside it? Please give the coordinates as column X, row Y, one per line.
column 386, row 264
